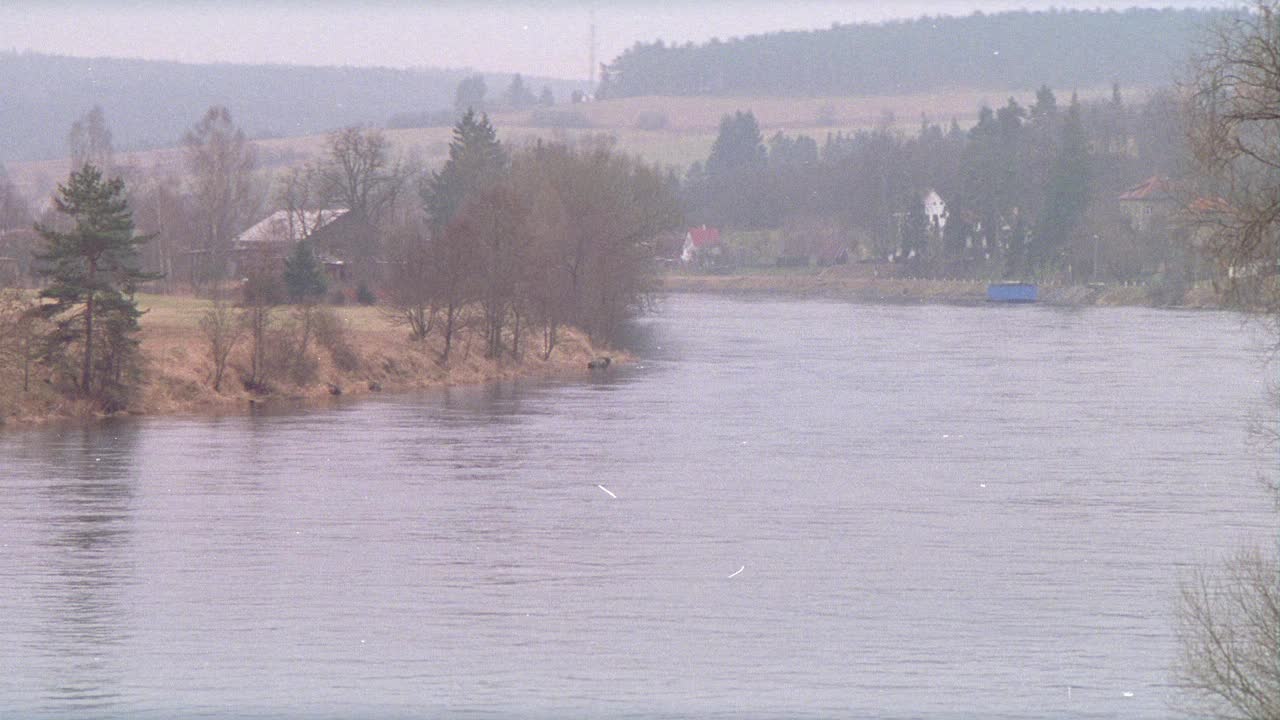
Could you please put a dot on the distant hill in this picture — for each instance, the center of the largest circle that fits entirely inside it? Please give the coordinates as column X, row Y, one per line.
column 1006, row 50
column 152, row 103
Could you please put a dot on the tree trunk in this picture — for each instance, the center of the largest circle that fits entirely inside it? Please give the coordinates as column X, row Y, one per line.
column 86, row 370
column 448, row 332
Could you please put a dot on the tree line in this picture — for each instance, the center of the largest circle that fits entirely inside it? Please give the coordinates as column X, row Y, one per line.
column 48, row 91
column 541, row 237
column 1065, row 48
column 1027, row 189
column 511, row 244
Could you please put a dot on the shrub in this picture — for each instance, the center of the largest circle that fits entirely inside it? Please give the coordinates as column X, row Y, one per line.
column 331, row 333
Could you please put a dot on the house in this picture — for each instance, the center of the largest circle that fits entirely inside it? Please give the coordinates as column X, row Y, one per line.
column 936, row 210
column 701, row 245
column 1148, row 204
column 271, row 239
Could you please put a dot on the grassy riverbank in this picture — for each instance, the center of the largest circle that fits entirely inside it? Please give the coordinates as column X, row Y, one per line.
column 178, row 370
column 856, row 284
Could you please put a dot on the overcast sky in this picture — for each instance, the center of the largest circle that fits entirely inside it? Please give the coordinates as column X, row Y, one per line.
column 539, row 37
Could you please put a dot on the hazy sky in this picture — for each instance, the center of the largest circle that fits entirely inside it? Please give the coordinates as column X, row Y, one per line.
column 539, row 37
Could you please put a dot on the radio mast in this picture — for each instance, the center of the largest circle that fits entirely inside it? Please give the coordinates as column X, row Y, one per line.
column 591, row 56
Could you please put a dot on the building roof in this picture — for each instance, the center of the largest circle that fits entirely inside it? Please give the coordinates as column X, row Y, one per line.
column 704, row 236
column 1154, row 189
column 283, row 226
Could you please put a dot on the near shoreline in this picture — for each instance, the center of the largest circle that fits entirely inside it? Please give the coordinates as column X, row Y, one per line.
column 178, row 370
column 839, row 284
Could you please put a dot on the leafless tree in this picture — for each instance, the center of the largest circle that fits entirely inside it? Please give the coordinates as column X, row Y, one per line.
column 163, row 212
column 90, row 142
column 1234, row 135
column 222, row 330
column 360, row 175
column 220, row 162
column 300, row 195
column 14, row 211
column 1229, row 627
column 21, row 331
column 1230, row 618
column 409, row 295
column 261, row 294
column 455, row 263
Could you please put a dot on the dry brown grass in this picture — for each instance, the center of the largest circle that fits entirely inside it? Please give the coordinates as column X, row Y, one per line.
column 179, row 369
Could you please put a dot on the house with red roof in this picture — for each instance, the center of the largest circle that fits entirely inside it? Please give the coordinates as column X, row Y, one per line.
column 1149, row 203
column 702, row 245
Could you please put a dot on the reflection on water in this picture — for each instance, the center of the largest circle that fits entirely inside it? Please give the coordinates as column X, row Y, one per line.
column 83, row 535
column 814, row 509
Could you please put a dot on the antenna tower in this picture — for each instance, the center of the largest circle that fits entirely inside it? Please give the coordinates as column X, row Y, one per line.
column 591, row 56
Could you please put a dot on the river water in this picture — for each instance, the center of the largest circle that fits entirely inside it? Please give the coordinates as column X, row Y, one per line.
column 813, row 509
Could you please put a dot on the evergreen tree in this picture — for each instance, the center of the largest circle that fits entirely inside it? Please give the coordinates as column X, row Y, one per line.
column 93, row 271
column 915, row 232
column 303, row 275
column 547, row 98
column 738, row 190
column 1046, row 106
column 1067, row 194
column 517, row 95
column 470, row 94
column 738, row 146
column 476, row 161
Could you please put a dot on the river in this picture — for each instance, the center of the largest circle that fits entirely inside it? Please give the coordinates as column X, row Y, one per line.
column 784, row 508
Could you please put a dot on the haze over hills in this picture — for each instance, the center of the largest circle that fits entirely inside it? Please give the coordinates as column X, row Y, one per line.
column 1077, row 48
column 152, row 103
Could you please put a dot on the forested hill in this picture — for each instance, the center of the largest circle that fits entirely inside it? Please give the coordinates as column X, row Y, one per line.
column 1014, row 50
column 152, row 103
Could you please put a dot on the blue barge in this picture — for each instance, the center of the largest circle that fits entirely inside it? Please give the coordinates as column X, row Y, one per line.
column 1012, row 292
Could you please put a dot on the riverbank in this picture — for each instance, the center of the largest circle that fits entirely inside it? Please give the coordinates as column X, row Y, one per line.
column 367, row 353
column 845, row 284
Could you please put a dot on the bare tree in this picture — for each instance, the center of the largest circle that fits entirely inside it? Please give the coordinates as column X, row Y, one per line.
column 1234, row 134
column 454, row 272
column 408, row 292
column 21, row 332
column 1230, row 618
column 261, row 294
column 14, row 211
column 1229, row 627
column 359, row 172
column 222, row 330
column 360, row 175
column 221, row 163
column 90, row 142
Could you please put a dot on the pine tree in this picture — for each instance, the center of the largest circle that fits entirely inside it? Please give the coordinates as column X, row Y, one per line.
column 476, row 161
column 303, row 275
column 93, row 272
column 1067, row 194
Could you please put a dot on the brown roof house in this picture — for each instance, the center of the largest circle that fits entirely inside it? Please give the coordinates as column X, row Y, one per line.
column 271, row 240
column 1149, row 204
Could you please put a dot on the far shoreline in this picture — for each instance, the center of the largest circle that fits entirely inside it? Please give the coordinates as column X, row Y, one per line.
column 897, row 291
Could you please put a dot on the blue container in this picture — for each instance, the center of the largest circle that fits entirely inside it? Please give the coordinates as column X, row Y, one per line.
column 1011, row 292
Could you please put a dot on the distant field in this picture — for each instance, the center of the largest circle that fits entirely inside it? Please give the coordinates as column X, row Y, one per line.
column 689, row 130
column 686, row 114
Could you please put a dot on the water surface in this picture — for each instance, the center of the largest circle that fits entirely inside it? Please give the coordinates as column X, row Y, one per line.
column 948, row 512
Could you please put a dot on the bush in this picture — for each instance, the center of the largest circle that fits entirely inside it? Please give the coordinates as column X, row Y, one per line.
column 331, row 333
column 365, row 296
